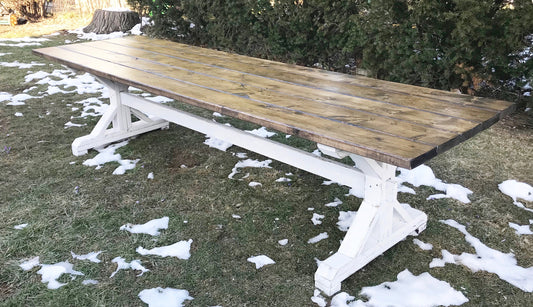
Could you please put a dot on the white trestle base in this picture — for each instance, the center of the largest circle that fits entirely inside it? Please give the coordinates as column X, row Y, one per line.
column 380, row 222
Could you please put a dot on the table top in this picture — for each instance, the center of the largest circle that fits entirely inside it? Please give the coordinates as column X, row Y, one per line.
column 398, row 124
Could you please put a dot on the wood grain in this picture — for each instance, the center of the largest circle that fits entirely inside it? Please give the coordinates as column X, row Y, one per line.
column 389, row 122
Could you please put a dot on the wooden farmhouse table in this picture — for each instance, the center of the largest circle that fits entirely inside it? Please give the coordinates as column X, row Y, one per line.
column 380, row 125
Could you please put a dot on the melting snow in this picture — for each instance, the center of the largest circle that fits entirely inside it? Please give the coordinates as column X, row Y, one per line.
column 92, row 256
column 179, row 249
column 488, row 259
column 22, row 42
column 249, row 163
column 123, row 265
column 260, row 261
column 30, row 264
column 334, row 203
column 21, row 226
column 409, row 290
column 517, row 190
column 316, row 219
column 217, row 143
column 51, row 272
column 262, row 132
column 164, row 297
column 151, row 227
column 422, row 245
column 90, row 282
column 423, row 175
column 107, row 154
column 20, row 65
column 320, row 237
column 345, row 219
column 283, row 242
column 521, row 229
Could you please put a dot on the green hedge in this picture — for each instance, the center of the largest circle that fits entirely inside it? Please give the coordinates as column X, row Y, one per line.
column 435, row 43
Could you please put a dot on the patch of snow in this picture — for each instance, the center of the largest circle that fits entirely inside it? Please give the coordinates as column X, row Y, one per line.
column 316, row 219
column 90, row 282
column 217, row 143
column 249, row 163
column 160, row 99
column 71, row 124
column 164, row 297
column 216, row 114
column 283, row 179
column 262, row 132
column 151, row 227
column 318, row 299
column 21, row 226
column 92, row 256
column 334, row 203
column 150, row 176
column 422, row 245
column 283, row 242
column 423, row 175
column 108, row 154
column 255, row 184
column 123, row 265
column 345, row 220
column 521, row 229
column 21, row 65
column 95, row 37
column 22, row 41
column 517, row 190
column 320, row 237
column 317, row 152
column 492, row 261
column 179, row 249
column 260, row 261
column 408, row 290
column 30, row 263
column 236, row 216
column 18, row 114
column 51, row 272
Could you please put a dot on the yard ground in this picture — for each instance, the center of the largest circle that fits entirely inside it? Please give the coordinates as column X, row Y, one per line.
column 71, row 207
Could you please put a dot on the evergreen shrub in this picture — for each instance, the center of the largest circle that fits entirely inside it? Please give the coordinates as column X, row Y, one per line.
column 455, row 44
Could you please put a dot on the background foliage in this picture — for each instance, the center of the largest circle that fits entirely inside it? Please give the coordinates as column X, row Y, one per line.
column 469, row 45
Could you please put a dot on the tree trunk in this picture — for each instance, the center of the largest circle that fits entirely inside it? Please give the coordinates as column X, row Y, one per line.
column 105, row 22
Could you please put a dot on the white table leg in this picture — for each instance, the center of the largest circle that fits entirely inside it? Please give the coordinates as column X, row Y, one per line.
column 379, row 224
column 119, row 117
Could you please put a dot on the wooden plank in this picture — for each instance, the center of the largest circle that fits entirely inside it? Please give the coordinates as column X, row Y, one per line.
column 391, row 126
column 347, row 102
column 377, row 146
column 310, row 76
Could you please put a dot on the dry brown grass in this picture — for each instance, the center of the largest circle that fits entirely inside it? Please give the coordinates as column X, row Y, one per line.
column 64, row 21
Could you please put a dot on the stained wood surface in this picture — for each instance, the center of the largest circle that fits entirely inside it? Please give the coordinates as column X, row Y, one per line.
column 390, row 122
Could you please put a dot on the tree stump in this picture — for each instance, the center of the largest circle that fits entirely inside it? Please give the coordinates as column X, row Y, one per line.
column 108, row 21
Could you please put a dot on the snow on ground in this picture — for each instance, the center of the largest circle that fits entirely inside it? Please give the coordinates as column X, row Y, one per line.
column 408, row 290
column 179, row 249
column 319, row 237
column 21, row 65
column 517, row 190
column 164, row 297
column 317, row 218
column 334, row 203
column 283, row 242
column 92, row 256
column 249, row 163
column 30, row 263
column 260, row 261
column 51, row 272
column 488, row 259
column 22, row 42
column 423, row 245
column 521, row 229
column 21, row 226
column 423, row 175
column 108, row 154
column 262, row 132
column 151, row 227
column 123, row 265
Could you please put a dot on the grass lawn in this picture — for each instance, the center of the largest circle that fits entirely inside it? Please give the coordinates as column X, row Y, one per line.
column 72, row 207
